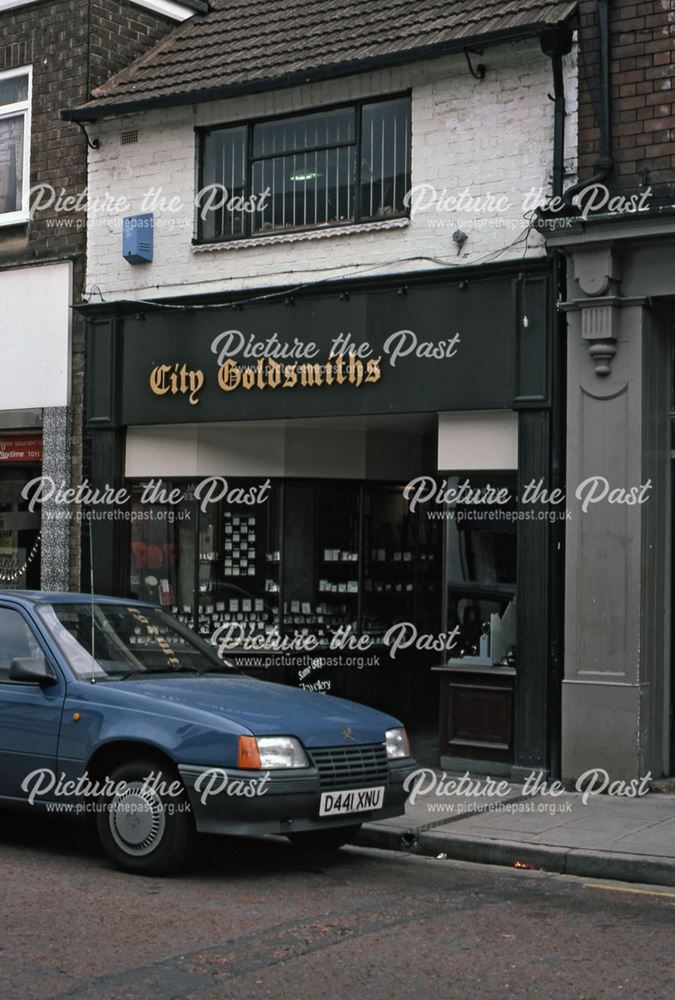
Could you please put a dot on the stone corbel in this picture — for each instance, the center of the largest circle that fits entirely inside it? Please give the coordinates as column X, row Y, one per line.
column 599, row 328
column 597, row 277
column 596, row 270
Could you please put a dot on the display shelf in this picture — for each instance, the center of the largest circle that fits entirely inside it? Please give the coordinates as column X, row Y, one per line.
column 317, row 557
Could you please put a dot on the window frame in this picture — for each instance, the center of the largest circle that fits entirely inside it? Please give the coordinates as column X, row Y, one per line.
column 203, row 131
column 39, row 641
column 12, row 111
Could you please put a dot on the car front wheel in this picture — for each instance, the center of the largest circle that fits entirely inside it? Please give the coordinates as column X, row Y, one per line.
column 143, row 830
column 325, row 840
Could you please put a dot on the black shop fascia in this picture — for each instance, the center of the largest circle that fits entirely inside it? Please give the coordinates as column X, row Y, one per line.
column 289, row 456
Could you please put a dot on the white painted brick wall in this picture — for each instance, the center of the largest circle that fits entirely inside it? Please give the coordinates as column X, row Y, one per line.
column 493, row 137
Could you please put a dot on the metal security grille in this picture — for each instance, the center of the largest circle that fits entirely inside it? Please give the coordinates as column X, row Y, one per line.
column 351, row 767
column 308, row 170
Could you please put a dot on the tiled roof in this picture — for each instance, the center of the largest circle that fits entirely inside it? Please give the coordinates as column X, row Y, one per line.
column 244, row 46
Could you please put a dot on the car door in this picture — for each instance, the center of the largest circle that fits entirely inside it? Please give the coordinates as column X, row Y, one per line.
column 30, row 713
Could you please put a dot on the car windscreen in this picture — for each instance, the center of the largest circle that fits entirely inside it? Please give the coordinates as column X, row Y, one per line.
column 117, row 640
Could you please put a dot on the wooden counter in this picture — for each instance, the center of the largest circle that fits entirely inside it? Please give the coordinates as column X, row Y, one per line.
column 476, row 711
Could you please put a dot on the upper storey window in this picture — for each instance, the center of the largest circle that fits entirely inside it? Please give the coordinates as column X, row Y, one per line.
column 326, row 168
column 15, row 95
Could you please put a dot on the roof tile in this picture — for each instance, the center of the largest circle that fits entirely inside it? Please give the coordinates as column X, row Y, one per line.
column 246, row 45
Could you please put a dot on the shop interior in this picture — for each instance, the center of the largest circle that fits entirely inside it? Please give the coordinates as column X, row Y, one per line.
column 326, row 556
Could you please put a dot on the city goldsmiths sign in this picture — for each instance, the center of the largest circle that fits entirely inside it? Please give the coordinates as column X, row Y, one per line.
column 420, row 348
column 180, row 380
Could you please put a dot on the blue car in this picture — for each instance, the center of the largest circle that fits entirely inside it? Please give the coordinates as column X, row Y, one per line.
column 110, row 707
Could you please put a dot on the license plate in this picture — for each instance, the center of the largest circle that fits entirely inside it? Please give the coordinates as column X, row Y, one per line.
column 357, row 800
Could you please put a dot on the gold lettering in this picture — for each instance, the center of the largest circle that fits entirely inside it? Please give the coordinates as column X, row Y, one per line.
column 177, row 379
column 196, row 381
column 373, row 370
column 268, row 374
column 311, row 375
column 274, row 377
column 158, row 380
column 229, row 375
column 355, row 370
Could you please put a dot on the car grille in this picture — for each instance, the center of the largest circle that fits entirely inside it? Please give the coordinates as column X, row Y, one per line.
column 351, row 767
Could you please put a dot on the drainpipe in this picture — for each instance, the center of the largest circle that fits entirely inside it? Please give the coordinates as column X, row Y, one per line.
column 605, row 164
column 555, row 44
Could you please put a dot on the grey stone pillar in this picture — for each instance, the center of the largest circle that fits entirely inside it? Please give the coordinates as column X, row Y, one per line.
column 56, row 525
column 616, row 587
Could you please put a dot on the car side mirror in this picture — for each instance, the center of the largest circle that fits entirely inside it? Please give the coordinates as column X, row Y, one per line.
column 35, row 670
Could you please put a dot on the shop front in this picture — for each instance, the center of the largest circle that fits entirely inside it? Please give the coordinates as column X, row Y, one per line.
column 311, row 482
column 20, row 462
column 35, row 420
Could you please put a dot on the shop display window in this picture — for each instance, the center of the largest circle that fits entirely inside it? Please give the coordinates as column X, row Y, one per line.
column 239, row 555
column 322, row 569
column 316, row 558
column 161, row 557
column 390, row 551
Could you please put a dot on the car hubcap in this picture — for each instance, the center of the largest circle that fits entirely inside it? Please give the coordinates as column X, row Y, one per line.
column 137, row 819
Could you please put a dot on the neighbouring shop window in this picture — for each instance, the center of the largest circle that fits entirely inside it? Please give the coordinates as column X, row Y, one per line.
column 481, row 570
column 315, row 169
column 20, row 548
column 15, row 97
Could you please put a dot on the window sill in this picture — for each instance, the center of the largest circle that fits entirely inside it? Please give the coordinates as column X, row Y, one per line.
column 14, row 219
column 305, row 234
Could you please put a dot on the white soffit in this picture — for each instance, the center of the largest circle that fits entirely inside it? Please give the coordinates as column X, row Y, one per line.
column 10, row 4
column 170, row 8
column 167, row 7
column 35, row 335
column 474, row 440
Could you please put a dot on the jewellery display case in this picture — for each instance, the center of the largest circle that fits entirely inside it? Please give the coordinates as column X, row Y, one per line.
column 238, row 569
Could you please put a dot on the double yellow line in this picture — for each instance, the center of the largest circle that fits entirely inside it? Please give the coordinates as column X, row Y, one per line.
column 625, row 888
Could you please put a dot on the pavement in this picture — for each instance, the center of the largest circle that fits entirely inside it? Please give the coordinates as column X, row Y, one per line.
column 603, row 836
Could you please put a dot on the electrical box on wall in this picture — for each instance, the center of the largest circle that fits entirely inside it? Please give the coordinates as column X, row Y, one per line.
column 137, row 238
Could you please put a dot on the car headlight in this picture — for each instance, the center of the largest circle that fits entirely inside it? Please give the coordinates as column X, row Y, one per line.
column 269, row 752
column 397, row 743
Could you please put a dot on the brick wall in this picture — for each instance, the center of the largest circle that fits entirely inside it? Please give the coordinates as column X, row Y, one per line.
column 120, row 32
column 51, row 37
column 642, row 37
column 72, row 45
column 491, row 137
